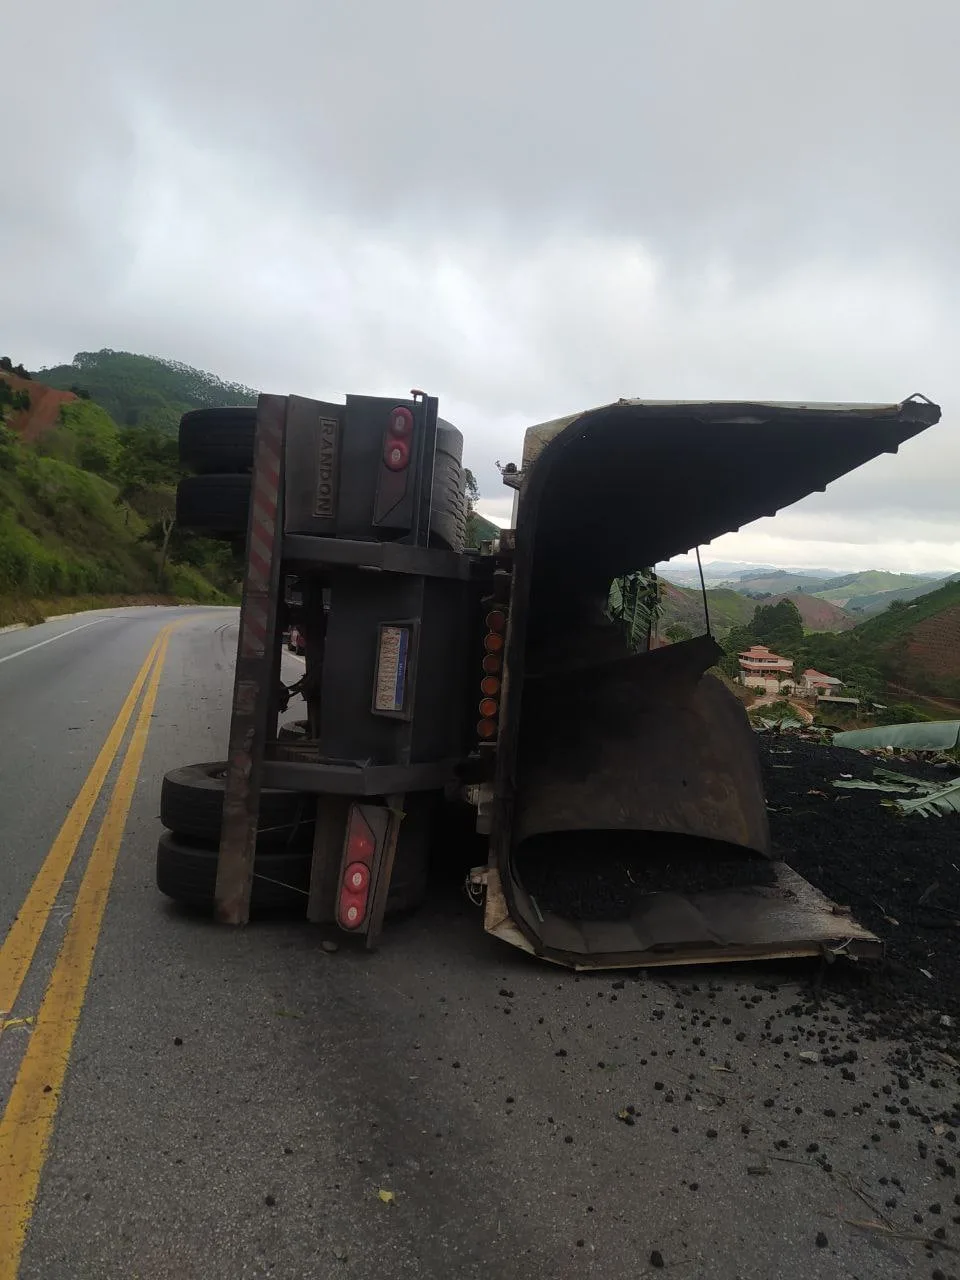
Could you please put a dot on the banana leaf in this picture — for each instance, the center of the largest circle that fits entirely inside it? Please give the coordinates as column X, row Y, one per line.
column 888, row 781
column 934, row 799
column 924, row 735
column 935, row 803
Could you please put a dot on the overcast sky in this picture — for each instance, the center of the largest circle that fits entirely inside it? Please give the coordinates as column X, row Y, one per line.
column 525, row 206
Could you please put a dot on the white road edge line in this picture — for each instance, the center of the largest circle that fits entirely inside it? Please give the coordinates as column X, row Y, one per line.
column 40, row 643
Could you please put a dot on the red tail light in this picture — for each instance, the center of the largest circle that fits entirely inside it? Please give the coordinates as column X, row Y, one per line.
column 355, row 882
column 396, row 455
column 488, row 708
column 497, row 620
column 401, row 423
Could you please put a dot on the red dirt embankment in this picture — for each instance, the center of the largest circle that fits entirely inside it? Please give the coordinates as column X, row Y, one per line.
column 44, row 411
column 933, row 645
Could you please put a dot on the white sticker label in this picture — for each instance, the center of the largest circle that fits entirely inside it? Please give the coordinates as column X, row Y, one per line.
column 392, row 662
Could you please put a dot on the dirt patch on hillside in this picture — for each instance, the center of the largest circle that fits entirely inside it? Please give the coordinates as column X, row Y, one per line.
column 44, row 411
column 933, row 645
column 816, row 614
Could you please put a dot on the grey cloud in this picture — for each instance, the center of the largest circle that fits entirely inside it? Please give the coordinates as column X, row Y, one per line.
column 526, row 207
column 712, row 126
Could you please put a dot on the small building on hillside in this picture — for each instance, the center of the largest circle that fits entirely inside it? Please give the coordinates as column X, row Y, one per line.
column 816, row 683
column 761, row 669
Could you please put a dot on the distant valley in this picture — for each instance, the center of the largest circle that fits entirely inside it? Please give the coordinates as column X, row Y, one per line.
column 827, row 600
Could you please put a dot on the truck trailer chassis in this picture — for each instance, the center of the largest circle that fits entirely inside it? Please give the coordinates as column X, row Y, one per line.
column 434, row 672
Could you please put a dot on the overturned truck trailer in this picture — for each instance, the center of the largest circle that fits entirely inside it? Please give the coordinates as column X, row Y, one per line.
column 626, row 813
column 617, row 785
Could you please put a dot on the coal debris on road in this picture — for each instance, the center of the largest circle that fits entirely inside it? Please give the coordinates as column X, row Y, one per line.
column 602, row 875
column 897, row 873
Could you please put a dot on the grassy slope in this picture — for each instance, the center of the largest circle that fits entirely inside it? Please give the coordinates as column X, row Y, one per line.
column 881, row 600
column 65, row 533
column 868, row 582
column 684, row 605
column 916, row 646
column 777, row 582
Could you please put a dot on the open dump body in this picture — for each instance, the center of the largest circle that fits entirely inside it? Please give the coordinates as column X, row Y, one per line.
column 629, row 823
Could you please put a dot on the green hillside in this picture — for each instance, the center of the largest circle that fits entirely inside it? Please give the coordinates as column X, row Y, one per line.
column 847, row 590
column 144, row 391
column 776, row 582
column 881, row 600
column 86, row 510
column 683, row 608
column 480, row 530
column 910, row 652
column 913, row 644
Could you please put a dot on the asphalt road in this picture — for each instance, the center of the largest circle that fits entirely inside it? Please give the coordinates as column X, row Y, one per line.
column 236, row 1101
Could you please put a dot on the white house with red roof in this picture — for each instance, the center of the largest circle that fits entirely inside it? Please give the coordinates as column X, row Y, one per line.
column 815, row 682
column 762, row 669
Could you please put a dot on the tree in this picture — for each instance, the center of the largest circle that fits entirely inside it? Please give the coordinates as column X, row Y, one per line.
column 477, row 529
column 148, row 458
column 900, row 713
column 9, row 445
column 678, row 632
column 779, row 627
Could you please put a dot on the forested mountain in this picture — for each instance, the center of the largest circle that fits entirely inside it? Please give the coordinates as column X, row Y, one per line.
column 144, row 391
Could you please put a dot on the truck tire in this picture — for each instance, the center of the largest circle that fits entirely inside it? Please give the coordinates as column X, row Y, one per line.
column 187, row 873
column 448, row 504
column 191, row 804
column 215, row 505
column 215, row 441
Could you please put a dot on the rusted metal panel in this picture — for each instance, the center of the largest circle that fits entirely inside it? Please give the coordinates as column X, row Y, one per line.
column 640, row 754
column 915, row 409
column 257, row 654
column 647, row 481
column 383, row 871
column 787, row 920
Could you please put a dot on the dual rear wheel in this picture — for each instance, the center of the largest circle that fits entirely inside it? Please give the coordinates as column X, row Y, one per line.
column 191, row 807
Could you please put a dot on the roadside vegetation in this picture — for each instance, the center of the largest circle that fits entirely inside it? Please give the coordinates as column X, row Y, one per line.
column 87, row 514
column 911, row 646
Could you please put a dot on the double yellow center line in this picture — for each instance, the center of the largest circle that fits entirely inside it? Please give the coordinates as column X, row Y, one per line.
column 28, row 1119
